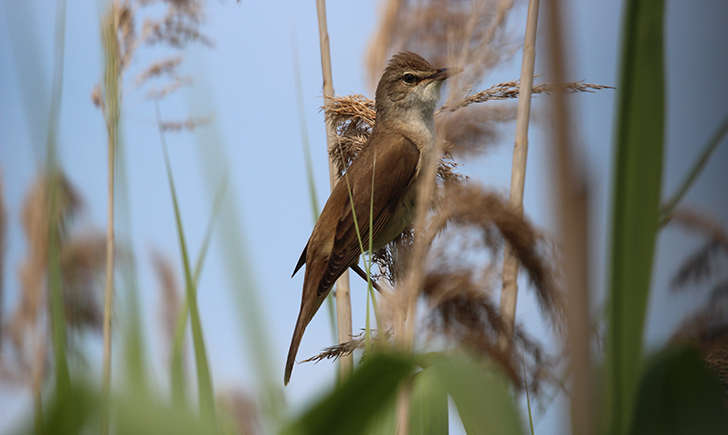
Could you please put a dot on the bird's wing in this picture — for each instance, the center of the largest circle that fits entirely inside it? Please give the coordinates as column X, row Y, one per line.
column 334, row 245
column 393, row 165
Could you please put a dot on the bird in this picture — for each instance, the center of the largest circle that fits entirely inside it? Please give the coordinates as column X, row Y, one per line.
column 382, row 177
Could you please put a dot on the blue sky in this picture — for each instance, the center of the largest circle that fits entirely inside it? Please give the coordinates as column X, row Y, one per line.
column 246, row 83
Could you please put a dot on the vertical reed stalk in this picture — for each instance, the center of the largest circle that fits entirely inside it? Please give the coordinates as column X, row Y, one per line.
column 509, row 293
column 111, row 111
column 330, row 308
column 571, row 205
column 405, row 321
column 343, row 300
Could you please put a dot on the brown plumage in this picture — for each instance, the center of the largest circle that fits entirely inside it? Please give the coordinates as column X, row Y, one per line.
column 390, row 163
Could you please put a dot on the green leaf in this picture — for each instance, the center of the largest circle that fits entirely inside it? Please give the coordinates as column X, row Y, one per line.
column 176, row 362
column 708, row 149
column 350, row 408
column 428, row 406
column 204, row 380
column 134, row 348
column 57, row 316
column 481, row 395
column 68, row 412
column 236, row 257
column 385, row 422
column 679, row 395
column 148, row 414
column 636, row 198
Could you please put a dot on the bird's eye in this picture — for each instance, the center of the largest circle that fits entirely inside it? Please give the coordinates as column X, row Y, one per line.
column 409, row 78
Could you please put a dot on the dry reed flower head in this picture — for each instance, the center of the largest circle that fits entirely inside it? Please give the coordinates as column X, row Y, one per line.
column 178, row 27
column 81, row 258
column 498, row 222
column 163, row 91
column 164, row 66
column 466, row 232
column 352, row 118
column 242, row 410
column 510, row 90
column 476, row 219
column 701, row 265
column 472, row 130
column 36, row 209
column 36, row 223
column 460, row 308
column 461, row 130
column 82, row 268
column 345, row 348
column 454, row 33
column 187, row 124
column 707, row 328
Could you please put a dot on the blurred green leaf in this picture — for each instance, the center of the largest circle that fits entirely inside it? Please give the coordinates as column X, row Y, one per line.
column 636, row 198
column 148, row 414
column 204, row 380
column 428, row 406
column 176, row 362
column 481, row 395
column 679, row 395
column 428, row 409
column 350, row 408
column 241, row 276
column 58, row 322
column 134, row 347
column 70, row 411
column 385, row 422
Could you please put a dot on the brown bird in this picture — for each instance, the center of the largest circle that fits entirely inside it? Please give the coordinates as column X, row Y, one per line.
column 405, row 104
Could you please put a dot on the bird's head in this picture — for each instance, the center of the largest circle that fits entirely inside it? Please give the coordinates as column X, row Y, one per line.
column 410, row 85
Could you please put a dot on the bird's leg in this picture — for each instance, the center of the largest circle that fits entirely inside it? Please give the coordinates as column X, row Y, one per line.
column 363, row 276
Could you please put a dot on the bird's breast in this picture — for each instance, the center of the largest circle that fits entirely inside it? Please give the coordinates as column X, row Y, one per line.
column 401, row 219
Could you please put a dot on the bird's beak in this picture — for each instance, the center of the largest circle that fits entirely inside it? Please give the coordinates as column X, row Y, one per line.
column 444, row 73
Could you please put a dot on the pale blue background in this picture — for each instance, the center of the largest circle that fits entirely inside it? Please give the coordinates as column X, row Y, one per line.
column 247, row 77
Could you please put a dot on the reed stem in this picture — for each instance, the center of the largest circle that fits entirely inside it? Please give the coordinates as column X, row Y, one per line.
column 571, row 196
column 509, row 293
column 111, row 112
column 343, row 298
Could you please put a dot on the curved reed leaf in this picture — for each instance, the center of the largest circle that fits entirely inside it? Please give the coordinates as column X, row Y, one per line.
column 481, row 395
column 669, row 207
column 176, row 361
column 636, row 199
column 428, row 405
column 679, row 395
column 360, row 398
column 204, row 380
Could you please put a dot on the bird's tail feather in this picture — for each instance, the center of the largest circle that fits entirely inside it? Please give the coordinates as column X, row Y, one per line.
column 295, row 342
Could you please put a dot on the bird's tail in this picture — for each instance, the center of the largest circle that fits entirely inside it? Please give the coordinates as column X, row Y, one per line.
column 301, row 323
column 311, row 301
